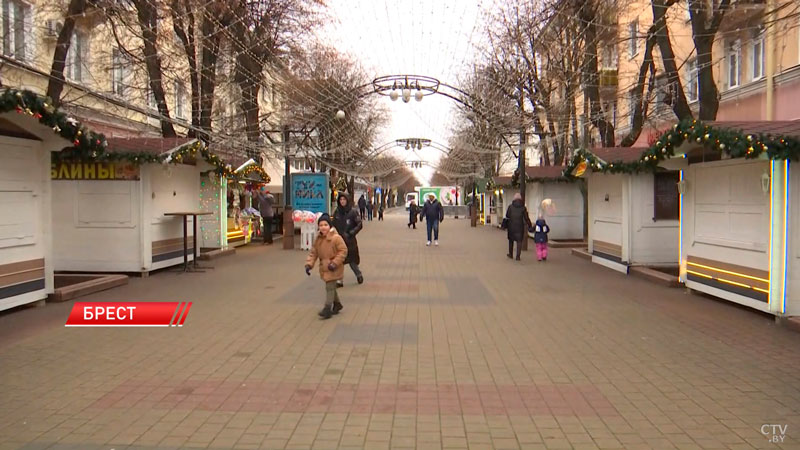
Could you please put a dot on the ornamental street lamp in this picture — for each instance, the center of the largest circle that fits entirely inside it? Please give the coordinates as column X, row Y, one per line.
column 413, row 143
column 405, row 87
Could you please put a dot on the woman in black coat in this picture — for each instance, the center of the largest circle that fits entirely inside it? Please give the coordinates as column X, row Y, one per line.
column 347, row 222
column 518, row 222
column 413, row 214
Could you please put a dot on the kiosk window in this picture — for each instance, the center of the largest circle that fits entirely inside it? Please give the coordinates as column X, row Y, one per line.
column 665, row 188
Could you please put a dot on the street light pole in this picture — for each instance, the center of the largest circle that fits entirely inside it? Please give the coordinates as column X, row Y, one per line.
column 522, row 177
column 288, row 224
column 521, row 168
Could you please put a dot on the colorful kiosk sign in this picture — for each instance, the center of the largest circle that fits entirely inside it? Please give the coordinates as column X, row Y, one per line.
column 310, row 192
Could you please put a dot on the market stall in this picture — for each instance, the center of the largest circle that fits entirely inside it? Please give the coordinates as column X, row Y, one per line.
column 110, row 216
column 738, row 214
column 633, row 217
column 29, row 132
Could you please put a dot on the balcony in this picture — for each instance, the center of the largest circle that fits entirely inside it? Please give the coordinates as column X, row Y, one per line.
column 741, row 11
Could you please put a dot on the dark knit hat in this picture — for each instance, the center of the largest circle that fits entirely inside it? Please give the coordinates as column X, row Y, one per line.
column 325, row 218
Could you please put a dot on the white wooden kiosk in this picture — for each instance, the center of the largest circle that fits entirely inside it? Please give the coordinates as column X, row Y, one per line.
column 117, row 223
column 633, row 218
column 566, row 223
column 739, row 218
column 26, row 261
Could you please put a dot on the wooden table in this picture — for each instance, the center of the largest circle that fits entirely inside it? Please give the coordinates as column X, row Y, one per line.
column 194, row 215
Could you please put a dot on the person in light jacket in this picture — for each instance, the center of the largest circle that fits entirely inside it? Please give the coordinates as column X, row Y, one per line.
column 540, row 230
column 518, row 223
column 330, row 250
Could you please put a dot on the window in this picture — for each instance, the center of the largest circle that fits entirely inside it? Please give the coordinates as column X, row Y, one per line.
column 303, row 165
column 757, row 49
column 692, row 86
column 632, row 103
column 119, row 72
column 665, row 94
column 151, row 98
column 610, row 57
column 665, row 189
column 733, row 56
column 17, row 29
column 76, row 66
column 633, row 38
column 180, row 99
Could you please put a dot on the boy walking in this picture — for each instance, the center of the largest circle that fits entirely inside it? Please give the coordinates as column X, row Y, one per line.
column 329, row 248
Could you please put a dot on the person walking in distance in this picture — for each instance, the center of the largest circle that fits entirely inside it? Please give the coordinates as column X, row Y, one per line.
column 518, row 222
column 362, row 206
column 380, row 212
column 540, row 230
column 330, row 250
column 433, row 214
column 369, row 209
column 348, row 223
column 413, row 213
column 265, row 202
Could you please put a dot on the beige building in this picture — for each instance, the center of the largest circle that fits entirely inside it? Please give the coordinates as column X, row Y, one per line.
column 753, row 34
column 107, row 85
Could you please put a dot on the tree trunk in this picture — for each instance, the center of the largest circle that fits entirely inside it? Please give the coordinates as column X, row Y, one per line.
column 680, row 106
column 639, row 112
column 704, row 31
column 186, row 33
column 586, row 13
column 708, row 93
column 147, row 15
column 208, row 69
column 55, row 85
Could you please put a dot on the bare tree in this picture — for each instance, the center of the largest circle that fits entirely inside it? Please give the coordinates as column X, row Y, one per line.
column 262, row 34
column 147, row 15
column 325, row 83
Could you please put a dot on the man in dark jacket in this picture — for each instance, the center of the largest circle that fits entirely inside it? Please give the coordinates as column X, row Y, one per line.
column 348, row 223
column 518, row 223
column 432, row 213
column 265, row 202
column 362, row 206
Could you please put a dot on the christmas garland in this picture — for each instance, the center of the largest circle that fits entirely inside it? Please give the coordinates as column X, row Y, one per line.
column 90, row 146
column 86, row 143
column 732, row 142
column 258, row 170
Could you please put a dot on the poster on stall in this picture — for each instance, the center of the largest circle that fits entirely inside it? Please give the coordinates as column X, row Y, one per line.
column 445, row 194
column 310, row 192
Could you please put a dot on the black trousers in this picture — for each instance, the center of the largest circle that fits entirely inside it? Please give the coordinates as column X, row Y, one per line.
column 511, row 247
column 267, row 229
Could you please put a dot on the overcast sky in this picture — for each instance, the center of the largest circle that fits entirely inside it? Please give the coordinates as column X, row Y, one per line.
column 436, row 38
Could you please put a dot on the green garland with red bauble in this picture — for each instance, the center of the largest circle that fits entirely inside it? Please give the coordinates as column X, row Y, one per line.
column 730, row 141
column 90, row 146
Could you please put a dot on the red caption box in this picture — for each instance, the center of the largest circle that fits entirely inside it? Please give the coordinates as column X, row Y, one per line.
column 128, row 314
